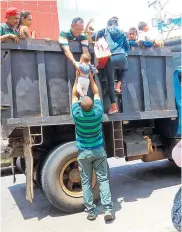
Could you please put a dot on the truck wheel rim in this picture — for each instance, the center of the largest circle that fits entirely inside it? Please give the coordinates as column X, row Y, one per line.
column 70, row 180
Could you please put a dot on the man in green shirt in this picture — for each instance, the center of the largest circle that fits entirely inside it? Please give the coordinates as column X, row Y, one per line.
column 8, row 29
column 88, row 116
column 74, row 34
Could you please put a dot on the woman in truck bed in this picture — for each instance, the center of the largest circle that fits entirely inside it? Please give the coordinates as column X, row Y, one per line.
column 25, row 24
column 119, row 47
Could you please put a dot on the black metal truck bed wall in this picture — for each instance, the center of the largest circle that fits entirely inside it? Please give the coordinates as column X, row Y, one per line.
column 175, row 47
column 37, row 78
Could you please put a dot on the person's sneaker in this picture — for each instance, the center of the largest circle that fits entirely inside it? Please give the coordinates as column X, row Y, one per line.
column 113, row 110
column 91, row 216
column 108, row 216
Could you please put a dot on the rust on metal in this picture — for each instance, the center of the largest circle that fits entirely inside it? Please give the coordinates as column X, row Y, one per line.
column 29, row 164
column 150, row 148
column 157, row 154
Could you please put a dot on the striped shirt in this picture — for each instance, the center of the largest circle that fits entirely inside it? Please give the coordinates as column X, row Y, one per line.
column 66, row 36
column 88, row 126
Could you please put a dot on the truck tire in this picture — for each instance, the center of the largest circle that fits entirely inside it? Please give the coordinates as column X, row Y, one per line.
column 176, row 211
column 20, row 164
column 60, row 179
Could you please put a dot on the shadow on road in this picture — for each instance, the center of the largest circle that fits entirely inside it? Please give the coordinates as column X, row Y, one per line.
column 132, row 182
column 40, row 208
column 128, row 183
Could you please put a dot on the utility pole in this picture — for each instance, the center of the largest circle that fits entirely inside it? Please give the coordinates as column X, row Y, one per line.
column 157, row 4
column 76, row 5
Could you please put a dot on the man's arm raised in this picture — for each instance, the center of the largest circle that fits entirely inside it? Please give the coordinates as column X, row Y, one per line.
column 74, row 90
column 94, row 87
column 87, row 26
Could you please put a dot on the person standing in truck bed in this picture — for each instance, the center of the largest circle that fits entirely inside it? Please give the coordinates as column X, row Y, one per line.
column 25, row 24
column 8, row 30
column 74, row 34
column 145, row 36
column 119, row 47
column 88, row 116
column 133, row 40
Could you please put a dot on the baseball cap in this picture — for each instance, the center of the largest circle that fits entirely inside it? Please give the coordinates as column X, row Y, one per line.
column 11, row 11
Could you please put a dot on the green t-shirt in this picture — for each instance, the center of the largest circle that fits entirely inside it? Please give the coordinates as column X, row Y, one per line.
column 66, row 36
column 5, row 29
column 88, row 126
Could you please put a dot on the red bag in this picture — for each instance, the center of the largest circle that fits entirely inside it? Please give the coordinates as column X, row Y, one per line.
column 102, row 52
column 100, row 63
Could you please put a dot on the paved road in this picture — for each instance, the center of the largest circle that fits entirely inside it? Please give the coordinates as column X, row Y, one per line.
column 142, row 193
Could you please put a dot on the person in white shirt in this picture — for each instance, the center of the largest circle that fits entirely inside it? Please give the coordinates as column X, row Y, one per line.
column 145, row 35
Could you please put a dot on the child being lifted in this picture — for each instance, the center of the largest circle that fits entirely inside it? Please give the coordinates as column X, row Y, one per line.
column 85, row 68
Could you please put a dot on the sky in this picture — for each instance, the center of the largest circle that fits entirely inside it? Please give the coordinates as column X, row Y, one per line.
column 129, row 12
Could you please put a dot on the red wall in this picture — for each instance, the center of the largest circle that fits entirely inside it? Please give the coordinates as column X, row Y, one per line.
column 44, row 14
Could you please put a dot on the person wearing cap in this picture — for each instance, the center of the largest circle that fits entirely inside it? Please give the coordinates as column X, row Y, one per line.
column 8, row 29
column 74, row 34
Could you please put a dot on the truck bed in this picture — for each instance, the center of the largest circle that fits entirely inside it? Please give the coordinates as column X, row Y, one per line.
column 37, row 79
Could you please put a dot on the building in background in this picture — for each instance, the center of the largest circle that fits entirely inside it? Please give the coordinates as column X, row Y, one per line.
column 44, row 13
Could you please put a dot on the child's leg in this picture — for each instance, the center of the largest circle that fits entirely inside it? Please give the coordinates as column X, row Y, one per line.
column 85, row 86
column 81, row 93
column 80, row 87
column 85, row 91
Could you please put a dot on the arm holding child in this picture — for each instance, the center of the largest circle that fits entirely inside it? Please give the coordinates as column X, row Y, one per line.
column 74, row 90
column 94, row 87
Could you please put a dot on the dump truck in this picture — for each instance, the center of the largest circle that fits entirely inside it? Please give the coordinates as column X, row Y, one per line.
column 36, row 86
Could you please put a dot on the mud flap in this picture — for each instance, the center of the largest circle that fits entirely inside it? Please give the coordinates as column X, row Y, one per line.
column 27, row 147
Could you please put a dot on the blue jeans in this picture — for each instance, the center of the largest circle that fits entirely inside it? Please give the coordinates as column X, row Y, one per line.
column 119, row 61
column 89, row 160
